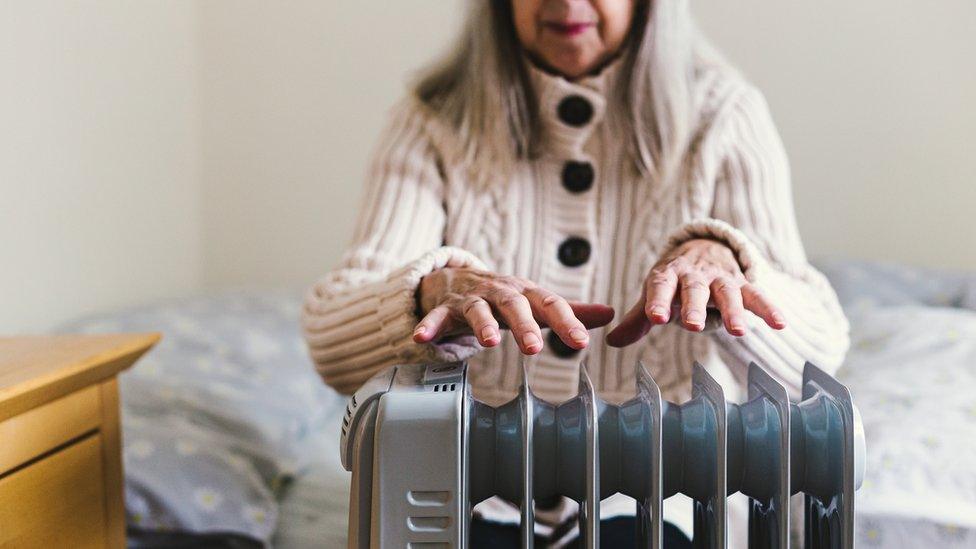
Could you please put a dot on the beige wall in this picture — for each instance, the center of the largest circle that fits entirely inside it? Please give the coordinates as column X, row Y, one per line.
column 292, row 103
column 876, row 101
column 156, row 148
column 98, row 144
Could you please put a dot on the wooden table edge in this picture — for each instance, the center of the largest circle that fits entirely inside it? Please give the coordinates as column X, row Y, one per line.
column 75, row 375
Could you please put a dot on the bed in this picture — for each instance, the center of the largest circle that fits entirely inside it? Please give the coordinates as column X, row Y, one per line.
column 230, row 436
column 231, row 439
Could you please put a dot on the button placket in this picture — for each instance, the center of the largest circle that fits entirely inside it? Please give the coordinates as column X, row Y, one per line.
column 574, row 251
column 575, row 110
column 576, row 114
column 577, row 176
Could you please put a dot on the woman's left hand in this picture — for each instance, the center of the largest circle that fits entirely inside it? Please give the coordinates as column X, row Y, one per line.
column 697, row 274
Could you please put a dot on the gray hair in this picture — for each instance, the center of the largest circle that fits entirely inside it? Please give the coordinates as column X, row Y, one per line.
column 482, row 90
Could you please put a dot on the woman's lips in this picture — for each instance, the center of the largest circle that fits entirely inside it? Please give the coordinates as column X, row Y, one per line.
column 567, row 29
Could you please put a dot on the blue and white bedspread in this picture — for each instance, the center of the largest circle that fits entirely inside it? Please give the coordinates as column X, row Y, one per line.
column 222, row 417
column 912, row 371
column 228, row 430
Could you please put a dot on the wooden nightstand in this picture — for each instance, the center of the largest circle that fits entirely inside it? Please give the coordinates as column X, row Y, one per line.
column 60, row 445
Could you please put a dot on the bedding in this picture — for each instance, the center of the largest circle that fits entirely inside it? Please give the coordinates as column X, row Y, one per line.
column 313, row 510
column 916, row 389
column 229, row 433
column 215, row 417
column 862, row 285
column 912, row 371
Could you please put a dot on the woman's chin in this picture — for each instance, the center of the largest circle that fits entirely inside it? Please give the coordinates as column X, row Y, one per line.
column 573, row 65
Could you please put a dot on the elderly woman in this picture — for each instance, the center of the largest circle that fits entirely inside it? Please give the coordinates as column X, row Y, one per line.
column 571, row 158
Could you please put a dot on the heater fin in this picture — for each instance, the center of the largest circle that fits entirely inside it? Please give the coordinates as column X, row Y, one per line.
column 589, row 517
column 527, row 409
column 766, row 426
column 649, row 512
column 828, row 417
column 704, row 426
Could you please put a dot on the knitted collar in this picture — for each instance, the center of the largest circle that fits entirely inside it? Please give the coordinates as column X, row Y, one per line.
column 552, row 90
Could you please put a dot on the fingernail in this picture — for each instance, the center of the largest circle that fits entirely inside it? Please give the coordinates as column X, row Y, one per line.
column 578, row 334
column 420, row 330
column 487, row 333
column 778, row 318
column 658, row 310
column 531, row 342
column 694, row 317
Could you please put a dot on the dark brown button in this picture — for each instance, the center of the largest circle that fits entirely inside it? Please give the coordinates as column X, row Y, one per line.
column 578, row 176
column 574, row 251
column 575, row 110
column 558, row 347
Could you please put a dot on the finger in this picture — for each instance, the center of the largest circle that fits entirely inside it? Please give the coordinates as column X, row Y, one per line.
column 728, row 298
column 514, row 308
column 592, row 315
column 694, row 298
column 558, row 315
column 477, row 313
column 661, row 287
column 434, row 323
column 754, row 300
column 632, row 327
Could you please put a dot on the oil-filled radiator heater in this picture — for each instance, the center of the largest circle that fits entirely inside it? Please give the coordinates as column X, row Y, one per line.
column 423, row 451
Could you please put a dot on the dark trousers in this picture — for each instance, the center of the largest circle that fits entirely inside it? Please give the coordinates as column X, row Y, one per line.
column 614, row 532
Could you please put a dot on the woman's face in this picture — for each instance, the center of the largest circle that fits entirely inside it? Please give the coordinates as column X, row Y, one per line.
column 572, row 37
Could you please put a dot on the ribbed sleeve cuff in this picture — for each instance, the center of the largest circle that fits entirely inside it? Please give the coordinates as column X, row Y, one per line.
column 355, row 331
column 397, row 309
column 754, row 266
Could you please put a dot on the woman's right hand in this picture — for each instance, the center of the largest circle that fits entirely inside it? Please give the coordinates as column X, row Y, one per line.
column 462, row 300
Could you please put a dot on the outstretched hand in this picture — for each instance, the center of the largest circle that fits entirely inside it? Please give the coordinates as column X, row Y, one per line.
column 700, row 273
column 463, row 300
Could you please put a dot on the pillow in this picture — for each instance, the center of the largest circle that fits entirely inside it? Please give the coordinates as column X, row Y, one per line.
column 213, row 418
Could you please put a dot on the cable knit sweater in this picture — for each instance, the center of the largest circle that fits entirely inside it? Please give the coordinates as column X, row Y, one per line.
column 422, row 213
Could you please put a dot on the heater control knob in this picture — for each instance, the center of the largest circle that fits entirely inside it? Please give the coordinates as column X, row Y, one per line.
column 450, row 372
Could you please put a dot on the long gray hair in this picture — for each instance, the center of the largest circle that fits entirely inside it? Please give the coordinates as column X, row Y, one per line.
column 482, row 91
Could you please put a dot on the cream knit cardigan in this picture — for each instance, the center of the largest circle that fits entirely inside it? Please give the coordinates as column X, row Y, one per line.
column 421, row 213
